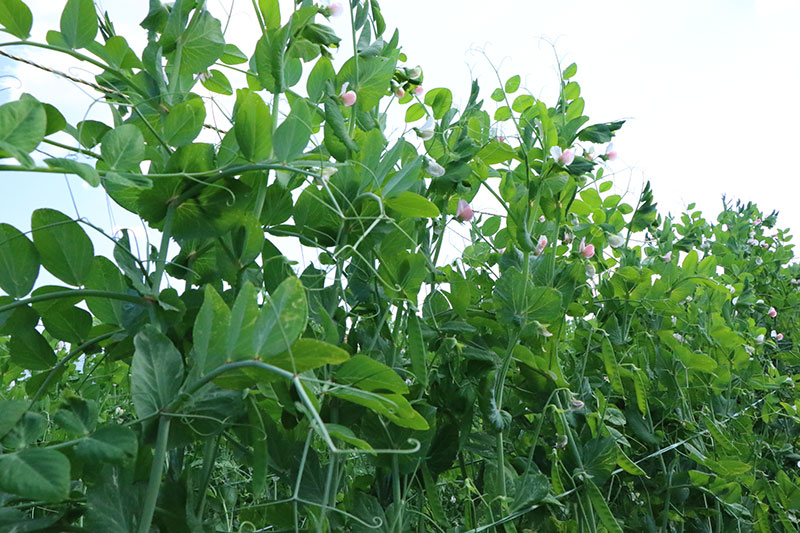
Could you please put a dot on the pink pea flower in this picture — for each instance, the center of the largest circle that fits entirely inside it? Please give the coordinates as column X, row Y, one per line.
column 772, row 312
column 564, row 158
column 348, row 97
column 335, row 9
column 399, row 92
column 610, row 153
column 542, row 219
column 418, row 90
column 779, row 337
column 541, row 245
column 464, row 211
column 587, row 250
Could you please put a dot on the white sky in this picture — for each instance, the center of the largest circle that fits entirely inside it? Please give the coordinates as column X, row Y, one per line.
column 707, row 87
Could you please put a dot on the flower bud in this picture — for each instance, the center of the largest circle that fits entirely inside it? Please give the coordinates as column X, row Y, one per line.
column 541, row 245
column 610, row 153
column 348, row 98
column 615, row 241
column 335, row 9
column 433, row 168
column 419, row 91
column 586, row 250
column 399, row 92
column 772, row 312
column 464, row 211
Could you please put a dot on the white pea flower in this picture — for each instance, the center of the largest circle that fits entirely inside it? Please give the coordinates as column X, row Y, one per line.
column 760, row 339
column 433, row 168
column 427, row 130
column 615, row 241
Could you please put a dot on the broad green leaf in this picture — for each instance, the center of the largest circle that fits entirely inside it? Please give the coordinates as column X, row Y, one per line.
column 156, row 372
column 600, row 133
column 184, row 122
column 502, row 113
column 242, row 341
column 336, row 132
column 10, row 413
column 440, row 100
column 55, row 120
column 572, row 91
column 77, row 416
column 87, row 172
column 403, row 179
column 530, row 489
column 271, row 11
column 252, row 125
column 23, row 123
column 320, row 75
column 570, row 71
column 601, row 507
column 232, row 55
column 210, row 330
column 16, row 18
column 498, row 95
column 90, row 132
column 78, row 23
column 522, row 302
column 123, row 148
column 105, row 276
column 415, row 112
column 512, row 84
column 64, row 248
column 368, row 374
column 19, row 262
column 374, row 76
column 283, row 318
column 522, row 102
column 291, row 137
column 29, row 429
column 36, row 474
column 119, row 54
column 495, row 152
column 411, row 204
column 393, row 406
column 346, row 434
column 108, row 444
column 201, row 44
column 217, row 82
column 308, row 354
column 67, row 323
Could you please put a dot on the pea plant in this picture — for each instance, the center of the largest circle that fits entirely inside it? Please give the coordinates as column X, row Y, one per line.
column 296, row 353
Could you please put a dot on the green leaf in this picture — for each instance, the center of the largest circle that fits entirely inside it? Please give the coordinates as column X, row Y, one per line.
column 10, row 413
column 522, row 302
column 16, row 18
column 334, row 124
column 374, row 76
column 23, row 123
column 252, row 125
column 87, row 172
column 77, row 416
column 572, row 91
column 600, row 133
column 19, row 262
column 530, row 489
column 498, row 95
column 570, row 71
column 291, row 137
column 90, row 132
column 156, row 371
column 202, row 44
column 346, row 434
column 210, row 330
column 440, row 100
column 601, row 507
column 320, row 75
column 231, row 55
column 415, row 112
column 495, row 152
column 522, row 102
column 123, row 148
column 217, row 82
column 184, row 122
column 66, row 322
column 393, row 406
column 242, row 338
column 502, row 113
column 368, row 374
column 29, row 350
column 55, row 120
column 512, row 84
column 271, row 11
column 78, row 23
column 36, row 474
column 64, row 248
column 304, row 355
column 109, row 444
column 403, row 179
column 105, row 276
column 283, row 318
column 411, row 204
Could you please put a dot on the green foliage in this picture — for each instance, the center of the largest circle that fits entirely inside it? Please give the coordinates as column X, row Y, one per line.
column 296, row 355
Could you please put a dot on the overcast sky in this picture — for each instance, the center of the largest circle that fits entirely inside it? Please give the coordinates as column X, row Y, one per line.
column 707, row 87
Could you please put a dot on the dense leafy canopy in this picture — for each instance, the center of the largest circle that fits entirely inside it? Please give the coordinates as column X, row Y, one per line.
column 307, row 362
